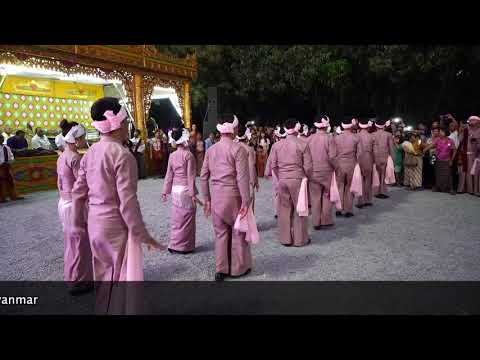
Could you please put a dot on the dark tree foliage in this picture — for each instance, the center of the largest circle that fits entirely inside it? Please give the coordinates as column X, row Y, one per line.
column 273, row 82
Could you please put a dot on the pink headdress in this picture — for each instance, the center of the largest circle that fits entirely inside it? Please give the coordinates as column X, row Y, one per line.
column 228, row 128
column 113, row 122
column 349, row 126
column 296, row 129
column 387, row 124
column 365, row 126
column 324, row 123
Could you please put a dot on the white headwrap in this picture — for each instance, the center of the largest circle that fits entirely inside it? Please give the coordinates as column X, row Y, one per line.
column 365, row 126
column 387, row 124
column 244, row 137
column 277, row 133
column 305, row 130
column 228, row 128
column 474, row 120
column 348, row 126
column 183, row 139
column 324, row 122
column 74, row 133
column 296, row 129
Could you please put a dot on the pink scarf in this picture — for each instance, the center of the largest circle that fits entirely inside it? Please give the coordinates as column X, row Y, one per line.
column 113, row 122
column 228, row 128
column 302, row 203
column 296, row 129
column 248, row 225
column 356, row 187
column 474, row 167
column 132, row 266
column 334, row 193
column 390, row 172
column 376, row 178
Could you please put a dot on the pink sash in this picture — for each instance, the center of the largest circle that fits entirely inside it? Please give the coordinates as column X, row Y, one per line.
column 248, row 225
column 302, row 203
column 390, row 172
column 376, row 178
column 334, row 193
column 356, row 187
column 132, row 265
column 474, row 167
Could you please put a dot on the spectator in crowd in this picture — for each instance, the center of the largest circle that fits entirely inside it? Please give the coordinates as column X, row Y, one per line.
column 429, row 159
column 199, row 152
column 159, row 153
column 261, row 159
column 138, row 150
column 445, row 153
column 40, row 140
column 264, row 142
column 7, row 183
column 18, row 142
column 413, row 162
column 7, row 133
column 398, row 159
column 209, row 141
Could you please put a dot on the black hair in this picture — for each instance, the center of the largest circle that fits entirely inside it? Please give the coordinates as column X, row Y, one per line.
column 226, row 118
column 290, row 123
column 241, row 132
column 364, row 120
column 177, row 134
column 63, row 123
column 19, row 132
column 104, row 104
column 282, row 130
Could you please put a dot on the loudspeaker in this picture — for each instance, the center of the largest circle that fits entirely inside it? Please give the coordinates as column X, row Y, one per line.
column 210, row 122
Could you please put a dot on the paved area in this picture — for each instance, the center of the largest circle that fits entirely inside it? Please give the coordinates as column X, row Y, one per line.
column 411, row 236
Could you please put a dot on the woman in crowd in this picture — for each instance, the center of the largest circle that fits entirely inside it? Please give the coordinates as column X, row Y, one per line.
column 78, row 270
column 261, row 160
column 180, row 183
column 398, row 160
column 200, row 152
column 159, row 153
column 445, row 153
column 413, row 162
column 429, row 158
column 264, row 142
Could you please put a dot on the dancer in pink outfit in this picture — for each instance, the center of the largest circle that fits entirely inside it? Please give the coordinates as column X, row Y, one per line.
column 366, row 162
column 226, row 166
column 107, row 182
column 180, row 183
column 252, row 167
column 383, row 147
column 348, row 152
column 78, row 270
column 281, row 134
column 323, row 150
column 291, row 162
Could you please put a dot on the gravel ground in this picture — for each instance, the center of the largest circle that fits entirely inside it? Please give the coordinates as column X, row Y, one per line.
column 411, row 236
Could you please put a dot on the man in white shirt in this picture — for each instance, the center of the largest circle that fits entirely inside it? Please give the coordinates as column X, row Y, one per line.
column 7, row 183
column 40, row 140
column 7, row 133
column 138, row 149
column 453, row 127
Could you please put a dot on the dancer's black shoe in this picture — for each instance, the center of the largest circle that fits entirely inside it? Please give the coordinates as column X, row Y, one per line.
column 348, row 215
column 220, row 276
column 172, row 251
column 338, row 213
column 245, row 273
column 359, row 206
column 318, row 227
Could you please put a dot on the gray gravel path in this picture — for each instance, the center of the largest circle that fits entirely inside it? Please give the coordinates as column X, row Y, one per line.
column 411, row 236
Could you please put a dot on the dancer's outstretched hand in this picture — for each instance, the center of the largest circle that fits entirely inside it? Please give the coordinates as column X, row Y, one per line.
column 164, row 197
column 207, row 209
column 153, row 244
column 243, row 212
